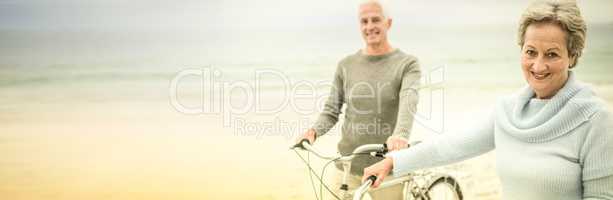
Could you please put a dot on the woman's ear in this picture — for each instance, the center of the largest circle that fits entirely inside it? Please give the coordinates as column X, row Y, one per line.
column 572, row 61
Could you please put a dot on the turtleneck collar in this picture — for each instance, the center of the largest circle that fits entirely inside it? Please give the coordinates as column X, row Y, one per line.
column 572, row 105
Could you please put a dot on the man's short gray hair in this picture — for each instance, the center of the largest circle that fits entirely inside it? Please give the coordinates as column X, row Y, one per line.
column 384, row 6
column 564, row 13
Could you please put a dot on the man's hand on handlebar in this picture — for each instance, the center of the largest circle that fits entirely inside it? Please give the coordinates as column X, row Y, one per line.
column 395, row 142
column 309, row 135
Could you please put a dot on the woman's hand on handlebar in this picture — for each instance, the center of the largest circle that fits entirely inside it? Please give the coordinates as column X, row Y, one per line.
column 380, row 170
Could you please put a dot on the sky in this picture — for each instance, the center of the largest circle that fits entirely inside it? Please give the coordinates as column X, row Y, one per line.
column 97, row 31
column 137, row 14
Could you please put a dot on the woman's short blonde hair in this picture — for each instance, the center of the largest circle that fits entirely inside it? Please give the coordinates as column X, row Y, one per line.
column 564, row 13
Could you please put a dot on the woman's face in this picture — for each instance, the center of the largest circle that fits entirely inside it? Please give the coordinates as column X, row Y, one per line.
column 545, row 60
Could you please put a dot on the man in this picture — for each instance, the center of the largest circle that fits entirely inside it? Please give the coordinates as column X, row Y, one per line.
column 378, row 84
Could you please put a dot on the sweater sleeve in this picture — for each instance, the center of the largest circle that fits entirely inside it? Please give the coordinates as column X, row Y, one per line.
column 596, row 158
column 332, row 109
column 446, row 148
column 600, row 188
column 408, row 99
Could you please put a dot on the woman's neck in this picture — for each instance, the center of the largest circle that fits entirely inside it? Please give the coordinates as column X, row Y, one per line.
column 549, row 94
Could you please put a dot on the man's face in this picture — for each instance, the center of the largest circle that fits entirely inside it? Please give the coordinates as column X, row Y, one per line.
column 373, row 24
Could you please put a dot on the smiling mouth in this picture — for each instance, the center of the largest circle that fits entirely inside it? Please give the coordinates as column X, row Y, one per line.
column 540, row 76
column 374, row 33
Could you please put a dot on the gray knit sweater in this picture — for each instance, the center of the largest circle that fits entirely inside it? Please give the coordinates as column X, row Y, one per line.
column 380, row 95
column 561, row 148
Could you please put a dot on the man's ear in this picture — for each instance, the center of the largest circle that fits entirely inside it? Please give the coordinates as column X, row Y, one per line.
column 389, row 23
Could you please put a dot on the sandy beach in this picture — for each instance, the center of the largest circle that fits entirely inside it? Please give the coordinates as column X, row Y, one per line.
column 140, row 147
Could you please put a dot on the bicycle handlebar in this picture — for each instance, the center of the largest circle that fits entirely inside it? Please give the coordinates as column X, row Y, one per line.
column 306, row 145
column 367, row 148
column 379, row 150
column 359, row 192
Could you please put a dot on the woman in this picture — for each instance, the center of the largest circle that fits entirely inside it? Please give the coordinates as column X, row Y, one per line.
column 553, row 139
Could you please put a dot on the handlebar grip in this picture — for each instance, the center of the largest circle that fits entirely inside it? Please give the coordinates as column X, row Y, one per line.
column 408, row 144
column 372, row 178
column 299, row 145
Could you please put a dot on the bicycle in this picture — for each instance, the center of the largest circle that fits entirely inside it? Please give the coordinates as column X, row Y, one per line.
column 423, row 185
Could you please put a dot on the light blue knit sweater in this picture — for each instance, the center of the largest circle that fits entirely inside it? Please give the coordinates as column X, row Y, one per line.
column 561, row 148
